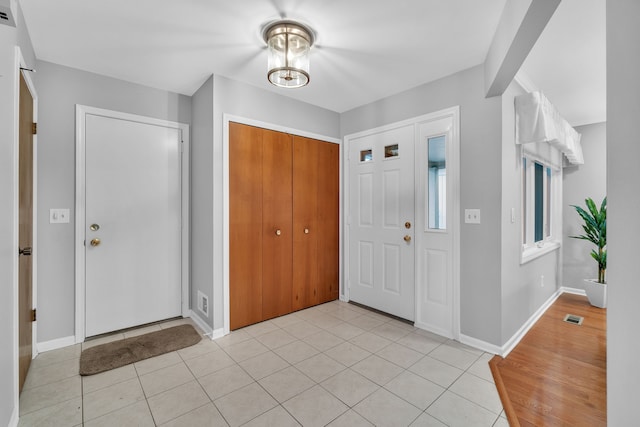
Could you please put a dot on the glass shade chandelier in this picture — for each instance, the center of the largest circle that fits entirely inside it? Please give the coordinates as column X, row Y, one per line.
column 288, row 45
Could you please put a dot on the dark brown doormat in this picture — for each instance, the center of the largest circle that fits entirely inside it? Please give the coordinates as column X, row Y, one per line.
column 129, row 350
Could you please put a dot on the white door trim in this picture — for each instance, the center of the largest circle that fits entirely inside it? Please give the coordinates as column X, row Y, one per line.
column 81, row 112
column 34, row 241
column 453, row 179
column 226, row 118
column 18, row 63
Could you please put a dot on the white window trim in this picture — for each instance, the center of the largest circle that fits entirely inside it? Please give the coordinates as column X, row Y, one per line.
column 532, row 250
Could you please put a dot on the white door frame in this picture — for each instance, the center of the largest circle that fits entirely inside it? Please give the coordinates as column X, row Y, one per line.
column 19, row 63
column 26, row 73
column 453, row 179
column 81, row 112
column 226, row 118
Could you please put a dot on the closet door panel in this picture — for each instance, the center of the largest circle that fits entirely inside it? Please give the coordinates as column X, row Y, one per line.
column 328, row 215
column 245, row 225
column 305, row 223
column 276, row 224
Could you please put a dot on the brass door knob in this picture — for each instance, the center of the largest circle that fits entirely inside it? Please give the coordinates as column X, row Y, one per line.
column 278, row 232
column 407, row 238
column 407, row 225
column 95, row 242
column 306, row 231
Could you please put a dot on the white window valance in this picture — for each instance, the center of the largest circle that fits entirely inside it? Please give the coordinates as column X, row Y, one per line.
column 538, row 121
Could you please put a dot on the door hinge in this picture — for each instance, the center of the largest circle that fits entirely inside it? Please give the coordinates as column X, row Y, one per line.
column 182, row 146
column 34, row 128
column 33, row 315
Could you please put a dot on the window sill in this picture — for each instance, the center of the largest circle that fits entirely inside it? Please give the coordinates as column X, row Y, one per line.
column 529, row 254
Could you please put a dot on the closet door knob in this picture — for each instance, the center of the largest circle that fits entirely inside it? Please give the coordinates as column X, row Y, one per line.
column 306, row 231
column 278, row 232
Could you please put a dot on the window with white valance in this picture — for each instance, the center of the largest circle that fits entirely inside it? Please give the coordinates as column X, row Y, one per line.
column 545, row 138
column 538, row 122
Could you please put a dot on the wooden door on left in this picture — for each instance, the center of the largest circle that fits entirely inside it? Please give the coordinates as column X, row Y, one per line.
column 25, row 231
column 245, row 225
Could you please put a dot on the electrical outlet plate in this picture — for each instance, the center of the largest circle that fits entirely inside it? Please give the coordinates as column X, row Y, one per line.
column 203, row 303
column 472, row 216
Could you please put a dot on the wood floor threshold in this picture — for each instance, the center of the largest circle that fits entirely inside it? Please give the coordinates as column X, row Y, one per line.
column 556, row 375
column 509, row 411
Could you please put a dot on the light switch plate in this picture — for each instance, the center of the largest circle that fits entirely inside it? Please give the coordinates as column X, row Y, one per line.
column 58, row 216
column 472, row 216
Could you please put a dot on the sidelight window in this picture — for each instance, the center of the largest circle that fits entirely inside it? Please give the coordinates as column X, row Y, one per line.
column 437, row 183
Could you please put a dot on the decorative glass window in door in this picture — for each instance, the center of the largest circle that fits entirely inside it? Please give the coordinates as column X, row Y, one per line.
column 391, row 151
column 366, row 155
column 437, row 183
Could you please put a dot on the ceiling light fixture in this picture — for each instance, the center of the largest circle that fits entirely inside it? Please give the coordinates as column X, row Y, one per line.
column 288, row 43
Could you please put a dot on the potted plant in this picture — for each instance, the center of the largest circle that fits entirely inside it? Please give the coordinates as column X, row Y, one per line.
column 595, row 229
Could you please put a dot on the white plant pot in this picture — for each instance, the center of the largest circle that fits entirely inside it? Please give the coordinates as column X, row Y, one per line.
column 596, row 292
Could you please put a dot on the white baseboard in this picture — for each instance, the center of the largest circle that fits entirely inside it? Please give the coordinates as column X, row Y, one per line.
column 56, row 344
column 480, row 345
column 13, row 422
column 575, row 291
column 217, row 333
column 517, row 337
column 201, row 323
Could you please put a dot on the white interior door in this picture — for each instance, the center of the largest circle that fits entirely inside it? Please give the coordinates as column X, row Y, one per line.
column 132, row 223
column 437, row 164
column 381, row 248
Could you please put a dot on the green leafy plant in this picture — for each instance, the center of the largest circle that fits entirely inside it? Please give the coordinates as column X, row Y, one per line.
column 595, row 229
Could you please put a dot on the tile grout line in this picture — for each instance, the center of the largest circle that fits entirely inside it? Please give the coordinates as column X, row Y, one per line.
column 258, row 333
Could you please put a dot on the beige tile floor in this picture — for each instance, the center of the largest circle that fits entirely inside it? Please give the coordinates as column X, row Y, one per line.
column 335, row 364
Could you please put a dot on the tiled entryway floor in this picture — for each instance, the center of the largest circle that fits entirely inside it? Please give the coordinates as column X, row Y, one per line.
column 335, row 364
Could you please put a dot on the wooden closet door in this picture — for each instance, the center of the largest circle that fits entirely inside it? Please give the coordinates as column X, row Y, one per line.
column 245, row 225
column 305, row 222
column 328, row 215
column 276, row 224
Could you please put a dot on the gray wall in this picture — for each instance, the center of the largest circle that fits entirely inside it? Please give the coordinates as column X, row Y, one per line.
column 480, row 163
column 623, row 174
column 231, row 97
column 580, row 182
column 60, row 89
column 202, row 195
column 522, row 293
column 10, row 37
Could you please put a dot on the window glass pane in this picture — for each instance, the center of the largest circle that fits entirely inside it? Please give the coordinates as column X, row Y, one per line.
column 547, row 201
column 539, row 202
column 437, row 183
column 524, row 201
column 366, row 155
column 391, row 151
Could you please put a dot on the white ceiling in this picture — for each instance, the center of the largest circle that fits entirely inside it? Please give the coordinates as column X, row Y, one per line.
column 568, row 63
column 365, row 49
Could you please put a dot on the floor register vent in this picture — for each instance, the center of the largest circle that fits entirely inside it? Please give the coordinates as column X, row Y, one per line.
column 572, row 318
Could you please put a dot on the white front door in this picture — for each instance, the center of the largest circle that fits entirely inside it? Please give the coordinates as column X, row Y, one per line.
column 381, row 248
column 437, row 159
column 132, row 223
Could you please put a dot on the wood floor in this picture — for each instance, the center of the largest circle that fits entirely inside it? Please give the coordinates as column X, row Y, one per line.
column 556, row 376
